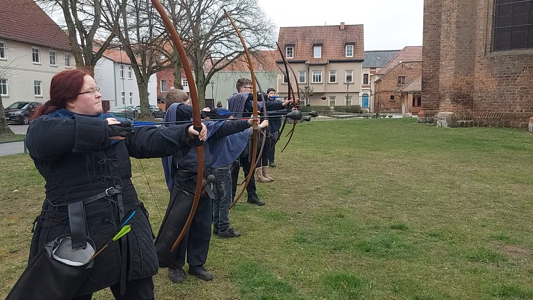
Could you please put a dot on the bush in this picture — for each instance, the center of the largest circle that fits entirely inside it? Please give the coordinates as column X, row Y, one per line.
column 356, row 109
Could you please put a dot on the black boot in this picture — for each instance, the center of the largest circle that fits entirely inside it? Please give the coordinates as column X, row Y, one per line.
column 176, row 275
column 200, row 272
column 254, row 199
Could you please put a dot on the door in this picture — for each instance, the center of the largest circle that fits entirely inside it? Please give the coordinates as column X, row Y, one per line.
column 365, row 100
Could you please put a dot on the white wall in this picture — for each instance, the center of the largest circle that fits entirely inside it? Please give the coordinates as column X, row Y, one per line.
column 108, row 78
column 20, row 71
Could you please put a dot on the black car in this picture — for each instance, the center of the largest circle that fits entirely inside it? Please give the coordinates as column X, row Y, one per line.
column 20, row 112
column 155, row 111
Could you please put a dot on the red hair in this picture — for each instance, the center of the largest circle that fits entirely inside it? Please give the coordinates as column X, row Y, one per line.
column 65, row 87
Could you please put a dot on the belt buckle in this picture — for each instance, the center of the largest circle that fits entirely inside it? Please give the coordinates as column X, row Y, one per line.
column 109, row 192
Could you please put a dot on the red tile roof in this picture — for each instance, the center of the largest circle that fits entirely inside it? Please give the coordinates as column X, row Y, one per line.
column 24, row 21
column 261, row 61
column 333, row 40
column 116, row 54
column 409, row 53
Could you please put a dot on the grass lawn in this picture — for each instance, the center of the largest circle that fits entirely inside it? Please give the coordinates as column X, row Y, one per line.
column 11, row 138
column 360, row 209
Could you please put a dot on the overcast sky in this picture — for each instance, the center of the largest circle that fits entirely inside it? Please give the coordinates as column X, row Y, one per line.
column 389, row 24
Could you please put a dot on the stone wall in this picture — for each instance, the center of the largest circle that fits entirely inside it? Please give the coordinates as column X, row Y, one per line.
column 460, row 72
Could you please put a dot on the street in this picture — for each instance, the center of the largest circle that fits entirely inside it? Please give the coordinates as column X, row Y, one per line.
column 15, row 147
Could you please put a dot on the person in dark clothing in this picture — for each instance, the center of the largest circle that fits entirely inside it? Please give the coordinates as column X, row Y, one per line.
column 83, row 154
column 241, row 104
column 180, row 173
column 275, row 124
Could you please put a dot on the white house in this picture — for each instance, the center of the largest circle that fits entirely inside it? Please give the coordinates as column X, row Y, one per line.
column 32, row 50
column 118, row 85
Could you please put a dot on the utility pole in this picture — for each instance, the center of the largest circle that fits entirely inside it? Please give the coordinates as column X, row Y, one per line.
column 347, row 89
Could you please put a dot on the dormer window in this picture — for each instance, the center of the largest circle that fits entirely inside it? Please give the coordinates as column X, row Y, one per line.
column 317, row 51
column 349, row 50
column 289, row 52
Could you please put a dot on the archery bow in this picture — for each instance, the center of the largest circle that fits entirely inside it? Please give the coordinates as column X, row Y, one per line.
column 255, row 114
column 290, row 91
column 297, row 106
column 197, row 119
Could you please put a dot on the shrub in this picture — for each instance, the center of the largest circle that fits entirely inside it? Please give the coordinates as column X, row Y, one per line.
column 356, row 109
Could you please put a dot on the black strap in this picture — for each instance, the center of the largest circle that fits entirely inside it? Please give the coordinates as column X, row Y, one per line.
column 76, row 216
column 109, row 192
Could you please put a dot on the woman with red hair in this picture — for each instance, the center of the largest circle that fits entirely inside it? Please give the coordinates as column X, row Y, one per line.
column 84, row 157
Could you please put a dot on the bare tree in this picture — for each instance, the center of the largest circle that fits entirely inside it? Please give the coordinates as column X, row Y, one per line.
column 5, row 71
column 83, row 22
column 133, row 22
column 211, row 40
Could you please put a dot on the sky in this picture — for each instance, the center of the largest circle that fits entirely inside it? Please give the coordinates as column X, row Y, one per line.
column 388, row 24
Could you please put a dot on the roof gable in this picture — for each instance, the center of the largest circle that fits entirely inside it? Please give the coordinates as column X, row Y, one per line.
column 24, row 21
column 408, row 53
column 333, row 40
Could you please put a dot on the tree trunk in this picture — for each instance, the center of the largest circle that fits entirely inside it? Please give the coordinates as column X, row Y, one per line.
column 144, row 102
column 200, row 86
column 4, row 128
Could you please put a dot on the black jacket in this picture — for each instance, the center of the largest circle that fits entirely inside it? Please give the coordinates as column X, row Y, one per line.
column 78, row 160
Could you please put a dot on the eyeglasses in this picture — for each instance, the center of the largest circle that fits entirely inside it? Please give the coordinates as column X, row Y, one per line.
column 91, row 91
column 248, row 87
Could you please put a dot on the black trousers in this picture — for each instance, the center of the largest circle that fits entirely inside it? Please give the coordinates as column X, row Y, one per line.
column 195, row 243
column 246, row 166
column 141, row 289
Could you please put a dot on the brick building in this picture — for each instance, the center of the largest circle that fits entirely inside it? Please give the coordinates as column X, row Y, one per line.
column 397, row 85
column 478, row 60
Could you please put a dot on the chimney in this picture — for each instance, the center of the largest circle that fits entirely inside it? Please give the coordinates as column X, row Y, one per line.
column 342, row 27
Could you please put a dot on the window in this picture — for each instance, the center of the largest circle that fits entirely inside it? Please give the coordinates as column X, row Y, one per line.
column 391, row 98
column 3, row 88
column 37, row 88
column 303, row 102
column 67, row 59
column 163, row 85
column 349, row 50
column 317, row 77
column 123, row 97
column 349, row 100
column 289, row 52
column 302, row 77
column 365, row 79
column 129, row 72
column 285, row 79
column 401, row 79
column 35, row 55
column 317, row 51
column 332, row 76
column 348, row 76
column 331, row 101
column 131, row 97
column 121, row 72
column 184, row 82
column 52, row 58
column 3, row 53
column 513, row 25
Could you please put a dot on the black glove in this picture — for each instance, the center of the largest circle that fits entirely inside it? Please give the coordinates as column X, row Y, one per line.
column 124, row 129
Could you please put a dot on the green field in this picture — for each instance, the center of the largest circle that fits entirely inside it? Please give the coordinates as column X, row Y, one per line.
column 360, row 209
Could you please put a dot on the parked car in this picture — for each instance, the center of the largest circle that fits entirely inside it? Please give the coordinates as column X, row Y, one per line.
column 155, row 111
column 128, row 112
column 20, row 112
